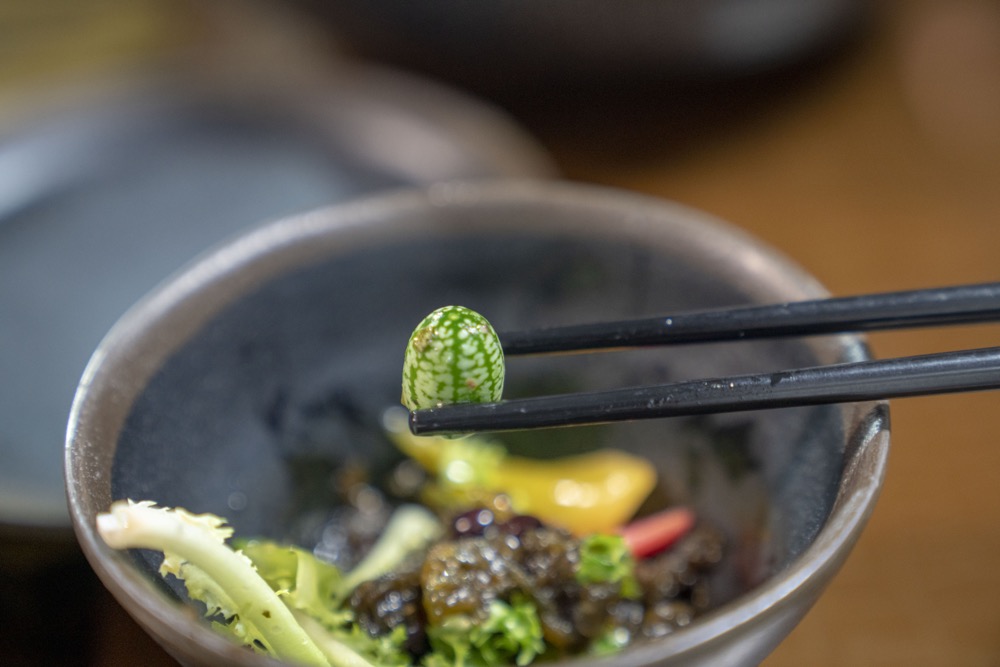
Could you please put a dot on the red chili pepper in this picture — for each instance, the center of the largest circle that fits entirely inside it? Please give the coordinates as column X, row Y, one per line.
column 652, row 534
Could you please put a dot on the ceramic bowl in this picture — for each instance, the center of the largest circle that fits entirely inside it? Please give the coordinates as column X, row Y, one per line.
column 240, row 384
column 500, row 46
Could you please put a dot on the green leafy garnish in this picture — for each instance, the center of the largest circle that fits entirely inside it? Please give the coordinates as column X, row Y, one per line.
column 606, row 559
column 453, row 356
column 512, row 632
column 611, row 642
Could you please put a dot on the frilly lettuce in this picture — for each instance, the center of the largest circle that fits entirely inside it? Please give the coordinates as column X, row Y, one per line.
column 511, row 633
column 194, row 549
column 606, row 559
column 280, row 600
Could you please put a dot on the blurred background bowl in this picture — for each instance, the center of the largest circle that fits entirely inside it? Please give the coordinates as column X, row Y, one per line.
column 241, row 385
column 133, row 135
column 100, row 204
column 502, row 46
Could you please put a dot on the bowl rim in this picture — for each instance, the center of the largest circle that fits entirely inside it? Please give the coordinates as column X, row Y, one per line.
column 229, row 270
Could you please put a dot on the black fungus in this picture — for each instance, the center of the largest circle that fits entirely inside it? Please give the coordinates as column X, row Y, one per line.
column 395, row 599
column 490, row 557
column 464, row 576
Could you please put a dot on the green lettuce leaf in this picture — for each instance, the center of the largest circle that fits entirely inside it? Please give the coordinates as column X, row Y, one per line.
column 195, row 550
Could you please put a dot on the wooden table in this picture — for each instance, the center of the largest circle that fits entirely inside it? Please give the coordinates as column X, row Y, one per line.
column 881, row 171
column 878, row 169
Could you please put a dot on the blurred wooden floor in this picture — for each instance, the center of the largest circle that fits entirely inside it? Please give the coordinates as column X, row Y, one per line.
column 878, row 170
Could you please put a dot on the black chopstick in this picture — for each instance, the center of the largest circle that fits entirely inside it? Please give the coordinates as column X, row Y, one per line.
column 964, row 304
column 948, row 372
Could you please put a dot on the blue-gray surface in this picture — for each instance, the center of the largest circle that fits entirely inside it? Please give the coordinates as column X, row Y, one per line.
column 73, row 261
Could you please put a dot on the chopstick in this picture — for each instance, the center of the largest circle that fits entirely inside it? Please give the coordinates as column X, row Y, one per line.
column 948, row 372
column 962, row 304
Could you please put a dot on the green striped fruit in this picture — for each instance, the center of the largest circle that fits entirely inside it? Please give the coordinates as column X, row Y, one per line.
column 454, row 356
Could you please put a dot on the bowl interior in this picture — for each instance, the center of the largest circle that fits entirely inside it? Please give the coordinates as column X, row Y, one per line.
column 242, row 389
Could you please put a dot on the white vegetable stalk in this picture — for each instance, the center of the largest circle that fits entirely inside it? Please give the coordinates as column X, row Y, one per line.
column 338, row 653
column 411, row 527
column 200, row 540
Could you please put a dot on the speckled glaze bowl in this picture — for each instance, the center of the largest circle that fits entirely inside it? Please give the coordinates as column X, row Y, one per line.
column 240, row 384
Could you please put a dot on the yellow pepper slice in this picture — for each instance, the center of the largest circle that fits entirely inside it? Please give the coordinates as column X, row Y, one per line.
column 587, row 493
column 595, row 492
